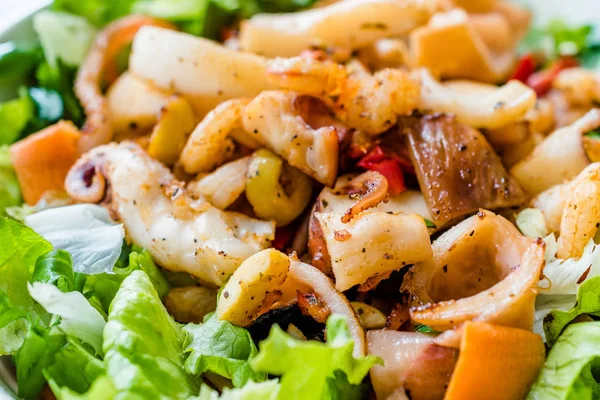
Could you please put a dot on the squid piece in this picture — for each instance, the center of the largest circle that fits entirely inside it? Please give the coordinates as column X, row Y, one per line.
column 580, row 86
column 552, row 202
column 271, row 199
column 274, row 118
column 449, row 45
column 341, row 198
column 134, row 105
column 204, row 72
column 457, row 169
column 385, row 53
column 99, row 66
column 372, row 244
column 476, row 104
column 413, row 364
column 209, row 144
column 223, row 186
column 181, row 233
column 482, row 269
column 369, row 103
column 581, row 216
column 287, row 35
column 305, row 275
column 560, row 157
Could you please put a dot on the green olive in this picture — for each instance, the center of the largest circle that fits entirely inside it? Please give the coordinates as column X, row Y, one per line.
column 266, row 194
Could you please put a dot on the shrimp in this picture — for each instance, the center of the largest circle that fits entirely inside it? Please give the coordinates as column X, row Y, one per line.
column 181, row 232
column 581, row 216
column 100, row 65
column 275, row 119
column 209, row 144
column 367, row 102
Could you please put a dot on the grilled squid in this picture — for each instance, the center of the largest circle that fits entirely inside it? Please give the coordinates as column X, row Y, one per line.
column 181, row 233
column 369, row 103
column 100, row 66
column 482, row 269
column 274, row 118
column 560, row 157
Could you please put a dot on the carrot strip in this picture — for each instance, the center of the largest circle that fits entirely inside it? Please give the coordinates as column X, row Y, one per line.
column 42, row 160
column 495, row 362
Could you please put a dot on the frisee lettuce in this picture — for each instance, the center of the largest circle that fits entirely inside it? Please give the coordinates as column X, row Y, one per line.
column 221, row 348
column 569, row 370
column 307, row 367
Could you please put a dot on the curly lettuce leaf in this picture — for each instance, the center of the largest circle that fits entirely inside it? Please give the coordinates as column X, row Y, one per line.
column 569, row 370
column 85, row 231
column 10, row 192
column 77, row 317
column 144, row 346
column 18, row 60
column 101, row 389
column 588, row 302
column 73, row 370
column 223, row 349
column 307, row 367
column 14, row 117
column 268, row 390
column 141, row 259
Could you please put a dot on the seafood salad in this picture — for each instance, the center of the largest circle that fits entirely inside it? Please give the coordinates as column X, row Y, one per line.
column 300, row 199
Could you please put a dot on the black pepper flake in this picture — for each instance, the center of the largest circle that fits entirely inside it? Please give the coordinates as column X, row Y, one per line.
column 445, row 268
column 364, row 250
column 226, row 294
column 472, row 232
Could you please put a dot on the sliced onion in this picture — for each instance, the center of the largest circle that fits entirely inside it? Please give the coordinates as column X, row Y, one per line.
column 413, row 362
column 483, row 269
column 337, row 303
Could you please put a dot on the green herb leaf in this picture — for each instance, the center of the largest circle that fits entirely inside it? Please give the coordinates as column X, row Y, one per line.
column 306, row 366
column 221, row 348
column 14, row 116
column 426, row 329
column 429, row 223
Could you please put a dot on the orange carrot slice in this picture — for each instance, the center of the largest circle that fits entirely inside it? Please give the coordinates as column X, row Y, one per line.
column 495, row 362
column 43, row 159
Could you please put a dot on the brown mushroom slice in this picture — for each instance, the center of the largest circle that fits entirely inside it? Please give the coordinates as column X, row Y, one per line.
column 274, row 118
column 482, row 269
column 412, row 363
column 307, row 275
column 560, row 157
column 450, row 46
column 457, row 169
column 372, row 243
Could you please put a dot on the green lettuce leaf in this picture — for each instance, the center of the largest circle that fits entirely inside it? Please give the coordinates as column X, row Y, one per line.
column 144, row 346
column 20, row 249
column 73, row 369
column 55, row 267
column 63, row 36
column 33, row 356
column 588, row 302
column 141, row 259
column 306, row 366
column 267, row 390
column 569, row 369
column 14, row 117
column 10, row 192
column 221, row 348
column 18, row 60
column 101, row 389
